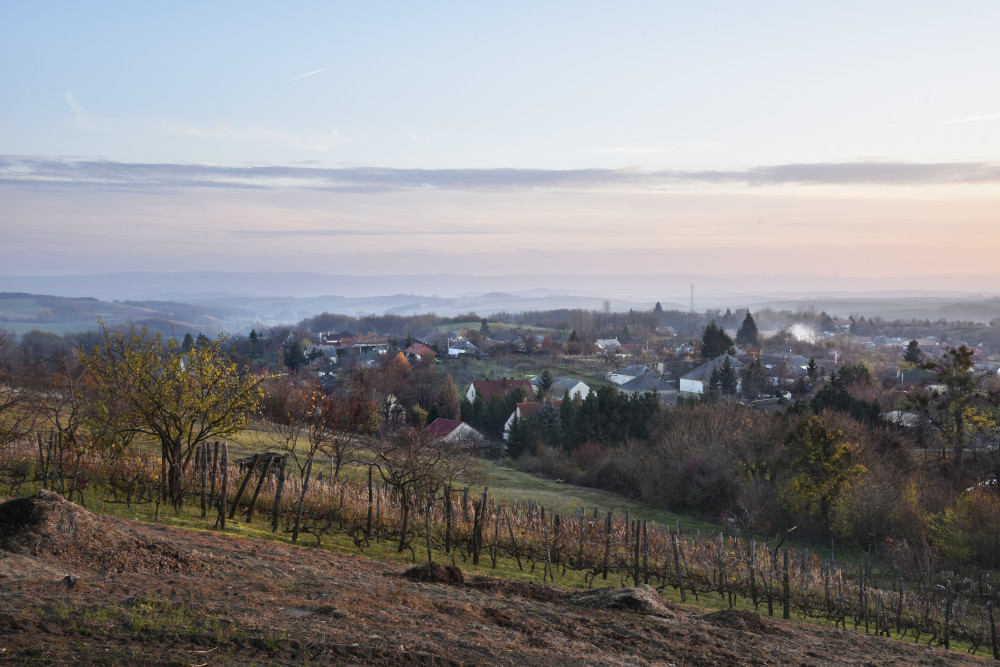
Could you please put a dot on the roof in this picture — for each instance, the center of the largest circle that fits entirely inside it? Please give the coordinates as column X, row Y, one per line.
column 487, row 389
column 646, row 382
column 560, row 385
column 531, row 408
column 703, row 372
column 420, row 350
column 635, row 370
column 440, row 428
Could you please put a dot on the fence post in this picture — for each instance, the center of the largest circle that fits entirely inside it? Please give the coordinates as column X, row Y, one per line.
column 993, row 632
column 277, row 494
column 243, row 486
column 947, row 616
column 635, row 554
column 677, row 565
column 224, row 495
column 645, row 553
column 368, row 523
column 607, row 545
column 513, row 542
column 302, row 500
column 203, row 464
column 786, row 588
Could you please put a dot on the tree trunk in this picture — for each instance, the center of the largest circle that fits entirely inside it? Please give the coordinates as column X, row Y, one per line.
column 404, row 508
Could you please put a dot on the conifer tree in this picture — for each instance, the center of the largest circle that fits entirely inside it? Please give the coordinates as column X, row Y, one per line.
column 747, row 335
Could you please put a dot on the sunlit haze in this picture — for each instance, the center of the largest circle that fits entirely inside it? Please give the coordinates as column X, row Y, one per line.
column 758, row 139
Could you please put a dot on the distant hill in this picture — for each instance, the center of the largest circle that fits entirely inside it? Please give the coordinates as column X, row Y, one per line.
column 20, row 312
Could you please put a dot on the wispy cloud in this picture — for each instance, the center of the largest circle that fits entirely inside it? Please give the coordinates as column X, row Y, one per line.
column 268, row 233
column 969, row 119
column 623, row 150
column 220, row 131
column 303, row 76
column 49, row 172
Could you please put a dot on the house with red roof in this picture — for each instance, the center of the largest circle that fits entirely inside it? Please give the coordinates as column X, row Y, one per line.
column 452, row 430
column 525, row 410
column 419, row 351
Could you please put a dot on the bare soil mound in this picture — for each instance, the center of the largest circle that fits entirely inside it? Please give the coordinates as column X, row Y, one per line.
column 47, row 523
column 436, row 574
column 642, row 599
column 741, row 619
column 513, row 587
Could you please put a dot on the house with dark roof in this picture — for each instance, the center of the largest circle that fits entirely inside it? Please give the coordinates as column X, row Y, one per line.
column 561, row 385
column 649, row 382
column 696, row 381
column 623, row 375
column 487, row 389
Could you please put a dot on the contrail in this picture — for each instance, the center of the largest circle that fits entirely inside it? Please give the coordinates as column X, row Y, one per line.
column 302, row 76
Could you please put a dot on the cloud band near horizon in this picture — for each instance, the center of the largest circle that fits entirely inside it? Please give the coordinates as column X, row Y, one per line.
column 37, row 172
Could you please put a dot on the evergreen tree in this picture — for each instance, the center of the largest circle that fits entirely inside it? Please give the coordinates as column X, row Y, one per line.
column 747, row 335
column 484, row 327
column 295, row 357
column 545, row 384
column 519, row 438
column 913, row 353
column 188, row 343
column 812, row 369
column 658, row 309
column 715, row 382
column 715, row 341
column 728, row 380
column 253, row 342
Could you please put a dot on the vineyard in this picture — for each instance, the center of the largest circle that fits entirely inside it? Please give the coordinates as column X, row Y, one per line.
column 590, row 545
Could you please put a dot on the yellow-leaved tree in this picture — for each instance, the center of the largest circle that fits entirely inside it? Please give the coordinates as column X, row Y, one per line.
column 179, row 399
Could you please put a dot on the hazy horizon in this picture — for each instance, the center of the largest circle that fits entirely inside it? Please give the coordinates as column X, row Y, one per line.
column 817, row 145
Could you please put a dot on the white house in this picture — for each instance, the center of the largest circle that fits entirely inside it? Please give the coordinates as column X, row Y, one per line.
column 523, row 411
column 696, row 381
column 623, row 375
column 561, row 385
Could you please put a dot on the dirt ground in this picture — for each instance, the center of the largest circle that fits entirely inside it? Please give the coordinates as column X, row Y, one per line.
column 148, row 594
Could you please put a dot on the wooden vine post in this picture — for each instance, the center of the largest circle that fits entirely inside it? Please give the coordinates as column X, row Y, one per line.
column 243, row 485
column 677, row 565
column 276, row 509
column 786, row 592
column 302, row 500
column 224, row 492
column 260, row 484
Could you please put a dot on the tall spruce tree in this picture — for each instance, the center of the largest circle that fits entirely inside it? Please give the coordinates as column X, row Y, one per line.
column 715, row 341
column 748, row 334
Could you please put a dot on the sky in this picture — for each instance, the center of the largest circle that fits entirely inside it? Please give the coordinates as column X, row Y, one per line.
column 754, row 139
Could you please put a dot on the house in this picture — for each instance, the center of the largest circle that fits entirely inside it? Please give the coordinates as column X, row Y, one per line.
column 525, row 410
column 623, row 375
column 561, row 385
column 696, row 381
column 607, row 343
column 419, row 351
column 452, row 430
column 487, row 389
column 462, row 347
column 649, row 382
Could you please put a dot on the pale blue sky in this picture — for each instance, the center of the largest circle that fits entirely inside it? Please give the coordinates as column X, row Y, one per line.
column 700, row 130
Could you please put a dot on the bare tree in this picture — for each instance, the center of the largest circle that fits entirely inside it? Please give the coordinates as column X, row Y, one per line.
column 16, row 396
column 416, row 468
